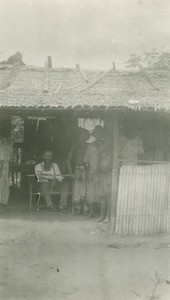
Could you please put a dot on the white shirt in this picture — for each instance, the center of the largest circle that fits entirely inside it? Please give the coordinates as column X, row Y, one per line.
column 45, row 175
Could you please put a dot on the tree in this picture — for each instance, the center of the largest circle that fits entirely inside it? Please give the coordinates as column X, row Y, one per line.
column 163, row 61
column 16, row 58
column 150, row 60
column 133, row 61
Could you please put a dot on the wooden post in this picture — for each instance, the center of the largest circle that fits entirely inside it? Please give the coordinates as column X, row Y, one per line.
column 46, row 78
column 115, row 174
column 49, row 62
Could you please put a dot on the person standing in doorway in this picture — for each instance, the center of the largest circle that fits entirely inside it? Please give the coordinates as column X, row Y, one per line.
column 5, row 159
column 78, row 175
column 91, row 162
column 105, row 177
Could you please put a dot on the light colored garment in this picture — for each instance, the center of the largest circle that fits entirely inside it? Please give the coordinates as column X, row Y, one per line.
column 62, row 188
column 45, row 175
column 79, row 184
column 47, row 179
column 130, row 149
column 5, row 156
column 48, row 188
column 46, row 192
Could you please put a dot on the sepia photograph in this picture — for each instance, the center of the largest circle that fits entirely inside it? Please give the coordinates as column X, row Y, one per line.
column 84, row 149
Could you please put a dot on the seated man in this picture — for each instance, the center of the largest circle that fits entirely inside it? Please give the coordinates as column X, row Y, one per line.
column 47, row 173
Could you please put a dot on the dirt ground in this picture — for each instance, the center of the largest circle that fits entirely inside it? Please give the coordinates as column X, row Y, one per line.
column 57, row 256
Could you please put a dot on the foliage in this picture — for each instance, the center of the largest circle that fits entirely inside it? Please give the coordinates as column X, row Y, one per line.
column 133, row 60
column 163, row 61
column 16, row 58
column 150, row 60
column 17, row 129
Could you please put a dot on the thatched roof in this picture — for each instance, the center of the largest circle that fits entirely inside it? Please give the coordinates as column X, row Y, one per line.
column 32, row 87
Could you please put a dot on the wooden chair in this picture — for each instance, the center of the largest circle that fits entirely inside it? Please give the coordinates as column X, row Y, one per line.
column 34, row 190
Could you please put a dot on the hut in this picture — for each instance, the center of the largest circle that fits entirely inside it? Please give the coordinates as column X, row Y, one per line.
column 52, row 100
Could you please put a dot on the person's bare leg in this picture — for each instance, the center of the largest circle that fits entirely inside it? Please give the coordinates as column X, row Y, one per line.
column 91, row 214
column 85, row 209
column 103, row 203
column 107, row 219
column 64, row 188
column 79, row 208
column 2, row 210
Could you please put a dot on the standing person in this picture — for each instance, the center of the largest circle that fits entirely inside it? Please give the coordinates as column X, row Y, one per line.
column 47, row 173
column 78, row 175
column 5, row 158
column 105, row 178
column 91, row 161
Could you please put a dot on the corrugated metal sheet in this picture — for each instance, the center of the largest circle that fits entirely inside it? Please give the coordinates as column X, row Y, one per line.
column 143, row 200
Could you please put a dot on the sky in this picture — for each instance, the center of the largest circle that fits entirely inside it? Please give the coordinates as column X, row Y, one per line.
column 93, row 33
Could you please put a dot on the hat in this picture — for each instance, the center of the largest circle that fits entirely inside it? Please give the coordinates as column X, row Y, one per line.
column 98, row 131
column 83, row 133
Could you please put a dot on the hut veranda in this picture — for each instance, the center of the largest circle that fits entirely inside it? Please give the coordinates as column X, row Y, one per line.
column 52, row 102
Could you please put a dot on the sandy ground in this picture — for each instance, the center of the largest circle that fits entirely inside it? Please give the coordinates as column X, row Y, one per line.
column 56, row 256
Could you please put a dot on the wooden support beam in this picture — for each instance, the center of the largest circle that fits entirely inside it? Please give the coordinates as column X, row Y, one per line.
column 76, row 86
column 82, row 73
column 98, row 80
column 115, row 173
column 146, row 77
column 57, row 89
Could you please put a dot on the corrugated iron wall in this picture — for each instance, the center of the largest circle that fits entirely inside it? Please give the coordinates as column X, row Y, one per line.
column 143, row 200
column 143, row 204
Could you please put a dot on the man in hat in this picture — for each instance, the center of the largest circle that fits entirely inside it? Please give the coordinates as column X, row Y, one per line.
column 77, row 170
column 91, row 161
